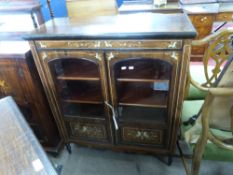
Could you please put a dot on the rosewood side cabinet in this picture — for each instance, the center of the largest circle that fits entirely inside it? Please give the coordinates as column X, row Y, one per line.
column 117, row 81
column 19, row 79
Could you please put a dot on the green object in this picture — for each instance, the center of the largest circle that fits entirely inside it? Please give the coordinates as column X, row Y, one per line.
column 212, row 151
column 197, row 74
column 195, row 94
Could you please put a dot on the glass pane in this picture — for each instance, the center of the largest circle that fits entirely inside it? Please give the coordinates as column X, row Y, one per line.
column 140, row 114
column 143, row 69
column 80, row 91
column 75, row 69
column 143, row 94
column 142, row 88
column 83, row 110
column 78, row 87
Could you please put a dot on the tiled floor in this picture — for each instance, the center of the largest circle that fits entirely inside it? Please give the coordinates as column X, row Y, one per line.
column 87, row 161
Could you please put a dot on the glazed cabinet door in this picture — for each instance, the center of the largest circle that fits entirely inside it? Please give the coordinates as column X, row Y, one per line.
column 141, row 85
column 77, row 79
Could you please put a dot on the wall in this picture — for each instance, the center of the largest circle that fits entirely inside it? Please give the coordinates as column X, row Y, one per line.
column 119, row 2
column 59, row 7
column 89, row 8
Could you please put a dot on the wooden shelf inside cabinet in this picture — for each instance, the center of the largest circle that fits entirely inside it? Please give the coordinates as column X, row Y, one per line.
column 143, row 97
column 79, row 75
column 74, row 117
column 143, row 80
column 90, row 96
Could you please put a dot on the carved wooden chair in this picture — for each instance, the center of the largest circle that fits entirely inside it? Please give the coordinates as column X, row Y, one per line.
column 219, row 49
column 213, row 129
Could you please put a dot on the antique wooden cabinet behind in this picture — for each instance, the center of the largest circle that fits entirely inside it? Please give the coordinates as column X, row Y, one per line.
column 202, row 15
column 114, row 82
column 19, row 79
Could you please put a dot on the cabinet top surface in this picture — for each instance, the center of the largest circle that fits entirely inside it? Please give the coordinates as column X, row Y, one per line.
column 122, row 26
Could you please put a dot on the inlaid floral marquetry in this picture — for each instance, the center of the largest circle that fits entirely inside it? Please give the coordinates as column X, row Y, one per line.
column 88, row 130
column 145, row 44
column 4, row 87
column 173, row 55
column 70, row 44
column 143, row 136
column 111, row 44
column 50, row 55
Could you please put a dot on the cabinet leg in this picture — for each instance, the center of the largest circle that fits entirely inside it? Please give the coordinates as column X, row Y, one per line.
column 68, row 147
column 169, row 160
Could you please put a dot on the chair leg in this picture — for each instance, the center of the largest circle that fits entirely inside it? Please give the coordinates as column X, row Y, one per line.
column 169, row 160
column 197, row 155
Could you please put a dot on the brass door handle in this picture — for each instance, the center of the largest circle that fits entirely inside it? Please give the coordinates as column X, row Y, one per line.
column 113, row 115
column 3, row 85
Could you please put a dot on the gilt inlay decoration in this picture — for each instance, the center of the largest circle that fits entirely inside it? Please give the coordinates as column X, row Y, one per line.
column 88, row 130
column 144, row 136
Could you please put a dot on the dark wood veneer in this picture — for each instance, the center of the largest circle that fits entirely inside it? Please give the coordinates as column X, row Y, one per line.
column 19, row 79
